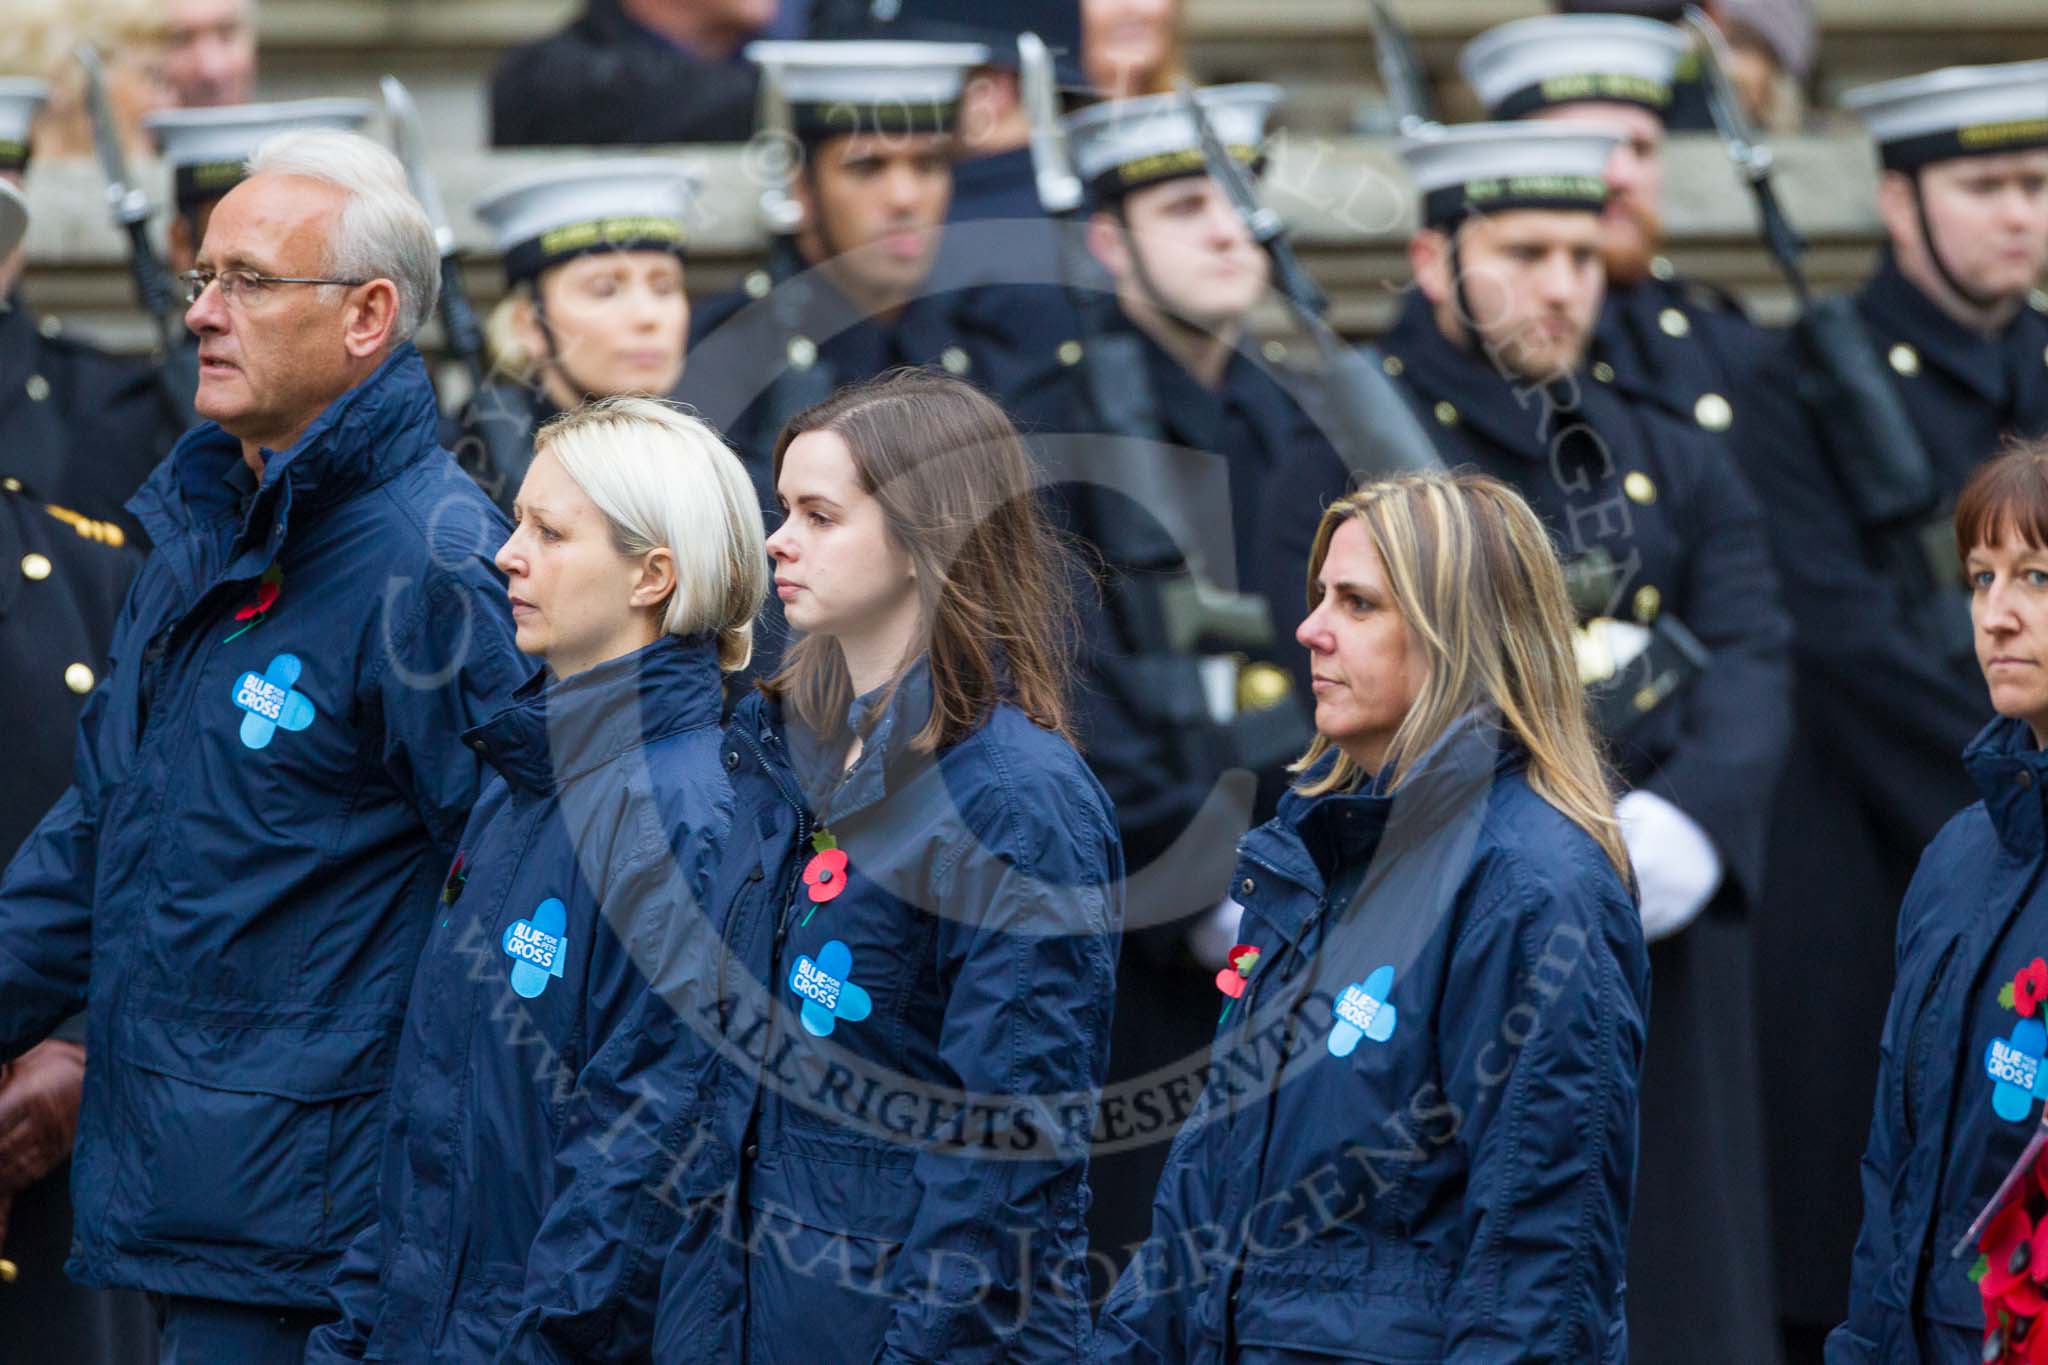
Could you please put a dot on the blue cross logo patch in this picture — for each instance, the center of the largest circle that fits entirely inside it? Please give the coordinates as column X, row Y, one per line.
column 1363, row 1011
column 537, row 947
column 269, row 704
column 2015, row 1067
column 827, row 994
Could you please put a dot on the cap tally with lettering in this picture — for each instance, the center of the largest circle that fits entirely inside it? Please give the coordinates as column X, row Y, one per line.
column 209, row 149
column 21, row 99
column 1957, row 111
column 1497, row 167
column 834, row 88
column 1533, row 64
column 618, row 204
column 1124, row 145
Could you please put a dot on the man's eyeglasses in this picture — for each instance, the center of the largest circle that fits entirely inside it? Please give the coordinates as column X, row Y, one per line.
column 244, row 286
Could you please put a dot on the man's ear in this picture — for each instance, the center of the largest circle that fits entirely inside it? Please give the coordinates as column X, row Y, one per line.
column 1108, row 244
column 371, row 319
column 1429, row 257
column 1898, row 208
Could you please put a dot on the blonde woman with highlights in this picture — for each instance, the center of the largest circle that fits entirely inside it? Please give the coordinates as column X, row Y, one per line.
column 1439, row 930
column 525, row 1119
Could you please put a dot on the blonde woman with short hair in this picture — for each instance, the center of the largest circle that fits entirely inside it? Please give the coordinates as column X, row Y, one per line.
column 1419, row 1137
column 635, row 570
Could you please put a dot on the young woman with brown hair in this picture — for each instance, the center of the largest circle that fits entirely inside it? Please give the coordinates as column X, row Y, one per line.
column 1418, row 1141
column 918, row 910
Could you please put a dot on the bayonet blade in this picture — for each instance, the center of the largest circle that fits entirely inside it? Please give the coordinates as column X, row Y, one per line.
column 124, row 197
column 1059, row 188
column 1723, row 103
column 1400, row 69
column 1225, row 170
column 409, row 137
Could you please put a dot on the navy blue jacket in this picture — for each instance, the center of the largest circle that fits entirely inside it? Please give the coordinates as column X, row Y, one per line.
column 510, row 1138
column 1944, row 1130
column 1680, row 345
column 1417, row 1140
column 910, row 1067
column 237, row 883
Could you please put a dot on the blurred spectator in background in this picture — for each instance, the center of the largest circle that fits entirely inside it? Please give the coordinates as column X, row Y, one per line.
column 633, row 71
column 37, row 38
column 212, row 58
column 1130, row 47
column 1773, row 43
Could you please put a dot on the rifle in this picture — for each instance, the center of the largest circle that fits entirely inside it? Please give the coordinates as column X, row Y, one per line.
column 1400, row 70
column 1168, row 613
column 1377, row 431
column 177, row 366
column 1870, row 435
column 458, row 320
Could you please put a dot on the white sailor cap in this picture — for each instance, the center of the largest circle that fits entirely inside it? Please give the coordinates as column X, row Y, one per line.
column 21, row 99
column 1957, row 111
column 618, row 204
column 13, row 218
column 860, row 86
column 1124, row 145
column 1478, row 168
column 1531, row 64
column 209, row 149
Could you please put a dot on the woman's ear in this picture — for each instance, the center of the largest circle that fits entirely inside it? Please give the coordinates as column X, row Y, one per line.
column 656, row 580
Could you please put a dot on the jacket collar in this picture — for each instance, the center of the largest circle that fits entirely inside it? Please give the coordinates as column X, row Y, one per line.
column 2010, row 772
column 1987, row 366
column 1315, row 838
column 557, row 729
column 1511, row 413
column 888, row 718
column 363, row 438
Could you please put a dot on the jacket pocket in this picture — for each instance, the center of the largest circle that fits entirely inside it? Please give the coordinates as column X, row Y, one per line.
column 827, row 1221
column 260, row 1132
column 1384, row 1307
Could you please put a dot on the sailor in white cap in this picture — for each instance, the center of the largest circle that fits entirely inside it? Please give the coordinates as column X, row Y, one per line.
column 78, row 427
column 1683, row 647
column 1950, row 330
column 1668, row 340
column 208, row 151
column 593, row 254
column 1186, row 500
column 848, row 293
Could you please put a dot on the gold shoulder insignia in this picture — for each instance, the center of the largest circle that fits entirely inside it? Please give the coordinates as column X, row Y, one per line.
column 105, row 532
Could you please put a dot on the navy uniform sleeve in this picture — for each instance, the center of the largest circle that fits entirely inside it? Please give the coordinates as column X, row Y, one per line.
column 1541, row 1055
column 1026, row 960
column 1737, row 715
column 1896, row 717
column 46, row 898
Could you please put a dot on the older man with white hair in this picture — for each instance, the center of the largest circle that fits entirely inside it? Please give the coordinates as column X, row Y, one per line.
column 270, row 780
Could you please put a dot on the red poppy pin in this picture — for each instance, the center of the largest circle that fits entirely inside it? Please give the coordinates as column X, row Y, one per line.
column 458, row 877
column 2027, row 989
column 257, row 610
column 1244, row 959
column 825, row 873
